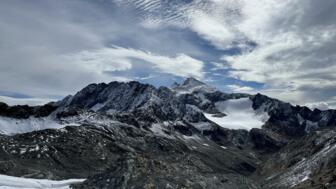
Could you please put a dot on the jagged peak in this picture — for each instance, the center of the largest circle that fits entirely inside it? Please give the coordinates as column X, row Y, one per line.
column 190, row 85
column 192, row 81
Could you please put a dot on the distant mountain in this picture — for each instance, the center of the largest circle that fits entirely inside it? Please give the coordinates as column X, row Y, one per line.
column 192, row 85
column 192, row 135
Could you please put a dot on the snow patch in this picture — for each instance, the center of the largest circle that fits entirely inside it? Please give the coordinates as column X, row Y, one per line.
column 305, row 178
column 10, row 182
column 301, row 120
column 186, row 90
column 201, row 126
column 311, row 126
column 12, row 126
column 192, row 137
column 157, row 129
column 240, row 115
column 97, row 106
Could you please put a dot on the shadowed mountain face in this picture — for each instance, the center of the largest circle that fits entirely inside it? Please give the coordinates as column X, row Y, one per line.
column 133, row 135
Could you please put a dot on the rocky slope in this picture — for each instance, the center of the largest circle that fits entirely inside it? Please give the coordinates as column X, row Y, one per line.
column 133, row 135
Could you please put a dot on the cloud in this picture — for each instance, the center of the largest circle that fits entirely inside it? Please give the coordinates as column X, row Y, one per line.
column 295, row 41
column 294, row 55
column 23, row 101
column 318, row 105
column 210, row 19
column 50, row 49
column 240, row 89
column 120, row 59
column 219, row 66
column 33, row 39
column 212, row 30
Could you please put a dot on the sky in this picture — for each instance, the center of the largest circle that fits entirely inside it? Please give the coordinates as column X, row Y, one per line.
column 282, row 48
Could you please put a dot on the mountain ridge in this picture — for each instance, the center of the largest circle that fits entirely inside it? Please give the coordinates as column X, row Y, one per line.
column 146, row 130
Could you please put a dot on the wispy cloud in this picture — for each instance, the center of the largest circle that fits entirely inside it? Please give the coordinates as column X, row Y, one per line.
column 120, row 59
column 240, row 89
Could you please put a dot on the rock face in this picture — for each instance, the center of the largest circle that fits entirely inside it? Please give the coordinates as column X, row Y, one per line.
column 133, row 135
column 292, row 121
column 305, row 163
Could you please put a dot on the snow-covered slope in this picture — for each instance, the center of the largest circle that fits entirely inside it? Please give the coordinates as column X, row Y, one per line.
column 239, row 115
column 9, row 182
column 11, row 126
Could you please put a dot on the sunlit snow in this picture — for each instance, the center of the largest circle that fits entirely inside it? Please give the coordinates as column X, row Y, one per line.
column 11, row 126
column 10, row 182
column 240, row 115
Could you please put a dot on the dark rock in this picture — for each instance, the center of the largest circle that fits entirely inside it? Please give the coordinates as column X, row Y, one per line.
column 267, row 141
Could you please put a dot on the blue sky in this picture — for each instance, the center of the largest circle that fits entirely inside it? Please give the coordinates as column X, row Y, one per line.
column 282, row 48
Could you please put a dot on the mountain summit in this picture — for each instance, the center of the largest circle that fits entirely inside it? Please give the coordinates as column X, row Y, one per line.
column 189, row 136
column 191, row 85
column 192, row 82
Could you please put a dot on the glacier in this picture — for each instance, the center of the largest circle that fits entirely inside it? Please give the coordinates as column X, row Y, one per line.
column 239, row 115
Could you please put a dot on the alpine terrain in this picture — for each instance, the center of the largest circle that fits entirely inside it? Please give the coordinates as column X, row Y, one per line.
column 130, row 135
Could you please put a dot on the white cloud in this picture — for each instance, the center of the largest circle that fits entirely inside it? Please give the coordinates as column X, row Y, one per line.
column 219, row 66
column 120, row 59
column 212, row 29
column 318, row 105
column 240, row 89
column 292, row 57
column 24, row 101
column 100, row 60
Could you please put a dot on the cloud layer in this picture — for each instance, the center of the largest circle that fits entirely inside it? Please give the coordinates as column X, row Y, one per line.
column 50, row 49
column 295, row 42
column 121, row 59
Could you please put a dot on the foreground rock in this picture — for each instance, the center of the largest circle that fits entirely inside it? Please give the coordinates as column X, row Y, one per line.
column 119, row 156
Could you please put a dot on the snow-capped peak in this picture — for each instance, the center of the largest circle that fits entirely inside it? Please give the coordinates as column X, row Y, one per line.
column 191, row 85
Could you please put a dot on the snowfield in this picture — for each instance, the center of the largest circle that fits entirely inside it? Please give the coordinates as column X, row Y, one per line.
column 11, row 126
column 240, row 115
column 9, row 182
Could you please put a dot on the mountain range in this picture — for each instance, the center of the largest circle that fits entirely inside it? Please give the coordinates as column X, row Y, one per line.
column 191, row 135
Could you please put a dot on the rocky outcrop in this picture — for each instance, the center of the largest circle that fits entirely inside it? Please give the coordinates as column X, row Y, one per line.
column 292, row 121
column 266, row 140
column 120, row 156
column 308, row 162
